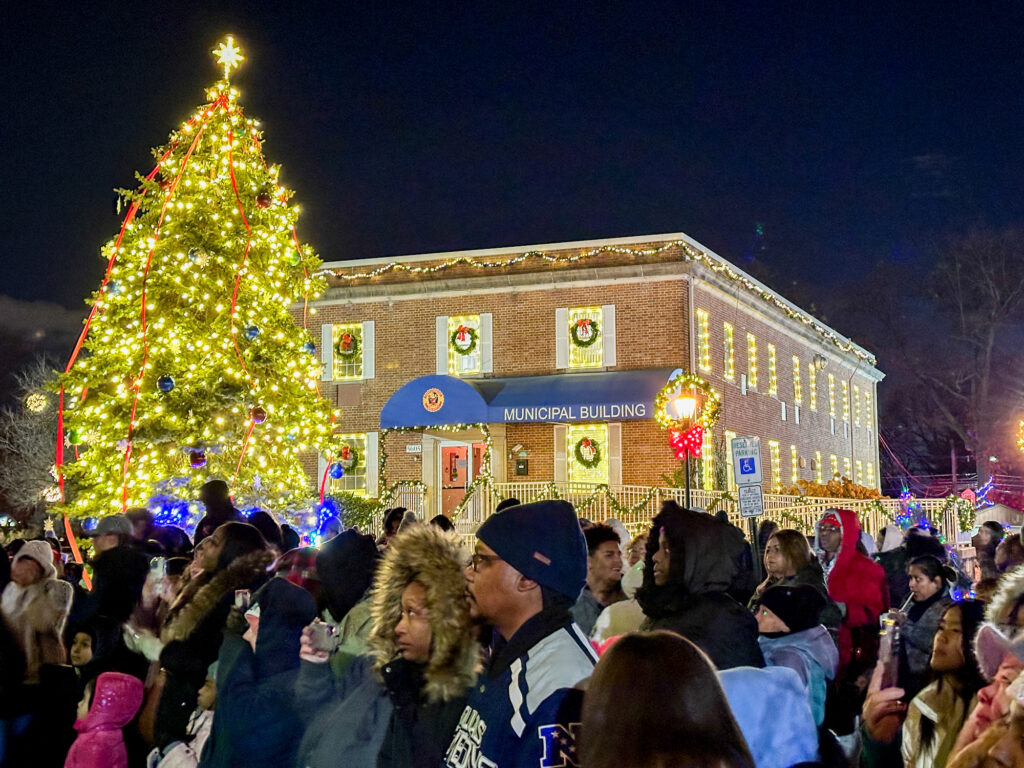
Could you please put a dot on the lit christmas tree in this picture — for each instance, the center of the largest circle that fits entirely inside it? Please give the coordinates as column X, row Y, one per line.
column 190, row 365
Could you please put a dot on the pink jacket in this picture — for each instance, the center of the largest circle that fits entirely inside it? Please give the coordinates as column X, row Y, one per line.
column 100, row 743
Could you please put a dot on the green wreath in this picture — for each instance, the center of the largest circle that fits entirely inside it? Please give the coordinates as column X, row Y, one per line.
column 353, row 349
column 473, row 339
column 712, row 404
column 595, row 331
column 578, row 452
column 353, row 458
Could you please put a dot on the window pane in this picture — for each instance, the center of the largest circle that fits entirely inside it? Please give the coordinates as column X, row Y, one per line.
column 592, row 440
column 587, row 325
column 348, row 351
column 464, row 335
column 353, row 463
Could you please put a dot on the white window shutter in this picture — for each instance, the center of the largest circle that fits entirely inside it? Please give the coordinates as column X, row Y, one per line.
column 372, row 474
column 561, row 338
column 614, row 454
column 327, row 351
column 608, row 334
column 561, row 470
column 486, row 343
column 442, row 345
column 369, row 350
column 321, row 467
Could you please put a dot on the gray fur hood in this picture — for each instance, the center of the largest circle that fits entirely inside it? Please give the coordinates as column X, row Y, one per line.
column 1007, row 597
column 436, row 559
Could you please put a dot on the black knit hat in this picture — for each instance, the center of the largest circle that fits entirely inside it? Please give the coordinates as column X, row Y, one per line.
column 798, row 606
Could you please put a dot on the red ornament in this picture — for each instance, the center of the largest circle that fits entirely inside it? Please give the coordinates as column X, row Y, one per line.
column 258, row 415
column 688, row 442
column 263, row 200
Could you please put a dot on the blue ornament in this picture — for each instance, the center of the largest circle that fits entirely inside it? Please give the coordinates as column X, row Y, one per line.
column 309, row 347
column 292, row 435
column 166, row 383
column 336, row 471
column 89, row 524
column 251, row 332
column 114, row 288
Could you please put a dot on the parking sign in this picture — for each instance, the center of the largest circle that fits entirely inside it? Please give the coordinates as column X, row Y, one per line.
column 746, row 460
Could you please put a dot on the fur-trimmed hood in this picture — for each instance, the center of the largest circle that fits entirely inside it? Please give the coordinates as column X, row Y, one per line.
column 190, row 610
column 436, row 559
column 1009, row 595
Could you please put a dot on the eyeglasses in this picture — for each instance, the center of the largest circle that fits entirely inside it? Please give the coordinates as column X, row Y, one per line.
column 475, row 560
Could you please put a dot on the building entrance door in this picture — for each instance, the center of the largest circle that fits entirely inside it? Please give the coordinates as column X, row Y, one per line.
column 461, row 463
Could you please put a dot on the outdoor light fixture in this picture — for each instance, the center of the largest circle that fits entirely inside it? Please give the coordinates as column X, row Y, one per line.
column 820, row 361
column 685, row 407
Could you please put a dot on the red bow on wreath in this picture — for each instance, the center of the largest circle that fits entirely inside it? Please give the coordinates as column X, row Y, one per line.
column 346, row 453
column 461, row 333
column 584, row 326
column 689, row 441
column 346, row 341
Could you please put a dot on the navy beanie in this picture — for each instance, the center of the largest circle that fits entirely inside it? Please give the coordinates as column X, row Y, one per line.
column 543, row 541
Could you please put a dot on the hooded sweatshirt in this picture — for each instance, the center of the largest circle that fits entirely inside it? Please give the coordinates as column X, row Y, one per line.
column 256, row 721
column 859, row 584
column 812, row 655
column 100, row 743
column 705, row 558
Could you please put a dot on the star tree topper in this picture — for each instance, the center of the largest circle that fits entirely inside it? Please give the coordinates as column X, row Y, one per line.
column 228, row 55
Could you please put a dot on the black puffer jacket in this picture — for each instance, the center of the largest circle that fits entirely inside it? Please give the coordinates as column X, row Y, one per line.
column 694, row 602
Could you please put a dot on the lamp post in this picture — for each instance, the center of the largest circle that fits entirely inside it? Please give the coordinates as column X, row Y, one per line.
column 685, row 407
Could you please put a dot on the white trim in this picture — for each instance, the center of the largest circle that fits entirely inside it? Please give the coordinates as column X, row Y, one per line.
column 369, row 349
column 372, row 465
column 561, row 338
column 327, row 351
column 561, row 468
column 441, row 350
column 608, row 333
column 486, row 343
column 783, row 404
column 321, row 467
column 614, row 454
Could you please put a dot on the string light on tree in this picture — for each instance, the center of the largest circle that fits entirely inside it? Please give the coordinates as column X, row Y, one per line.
column 197, row 368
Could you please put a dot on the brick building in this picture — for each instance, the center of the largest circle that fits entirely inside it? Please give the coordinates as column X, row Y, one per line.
column 429, row 357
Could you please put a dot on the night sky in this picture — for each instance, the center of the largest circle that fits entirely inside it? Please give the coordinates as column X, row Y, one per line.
column 851, row 135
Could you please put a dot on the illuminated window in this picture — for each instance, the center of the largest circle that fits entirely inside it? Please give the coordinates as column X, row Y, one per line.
column 794, row 461
column 812, row 386
column 834, row 462
column 348, row 351
column 729, row 474
column 773, row 372
column 751, row 361
column 847, row 468
column 860, row 472
column 597, row 435
column 846, row 401
column 729, row 352
column 352, row 459
column 703, row 340
column 831, row 395
column 871, row 474
column 707, row 460
column 868, row 413
column 464, row 357
column 818, row 471
column 856, row 405
column 773, row 452
column 586, row 324
column 798, row 393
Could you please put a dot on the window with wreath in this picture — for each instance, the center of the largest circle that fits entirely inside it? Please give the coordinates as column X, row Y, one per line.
column 347, row 470
column 464, row 350
column 348, row 351
column 586, row 345
column 587, row 453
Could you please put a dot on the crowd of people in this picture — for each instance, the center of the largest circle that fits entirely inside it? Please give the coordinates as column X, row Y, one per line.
column 555, row 641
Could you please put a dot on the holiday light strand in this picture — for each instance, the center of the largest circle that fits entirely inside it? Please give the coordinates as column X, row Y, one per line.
column 690, row 253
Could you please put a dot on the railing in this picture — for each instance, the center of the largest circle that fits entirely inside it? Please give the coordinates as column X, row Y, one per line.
column 635, row 505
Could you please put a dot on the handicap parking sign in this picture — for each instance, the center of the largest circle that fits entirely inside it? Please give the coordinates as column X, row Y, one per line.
column 746, row 457
column 747, row 466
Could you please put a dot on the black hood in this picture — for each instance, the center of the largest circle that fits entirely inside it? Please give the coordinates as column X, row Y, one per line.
column 284, row 610
column 345, row 566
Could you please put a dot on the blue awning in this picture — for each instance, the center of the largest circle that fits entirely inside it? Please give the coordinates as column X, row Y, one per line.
column 574, row 397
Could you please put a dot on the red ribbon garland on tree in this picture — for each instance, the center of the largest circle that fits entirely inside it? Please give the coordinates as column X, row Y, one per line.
column 688, row 442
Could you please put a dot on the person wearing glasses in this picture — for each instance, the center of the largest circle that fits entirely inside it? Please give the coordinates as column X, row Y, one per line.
column 526, row 574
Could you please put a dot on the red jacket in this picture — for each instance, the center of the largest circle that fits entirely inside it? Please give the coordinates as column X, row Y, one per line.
column 859, row 583
column 100, row 743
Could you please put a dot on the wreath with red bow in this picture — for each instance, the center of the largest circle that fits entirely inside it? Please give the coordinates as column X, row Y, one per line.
column 587, row 452
column 464, row 340
column 348, row 457
column 584, row 332
column 347, row 344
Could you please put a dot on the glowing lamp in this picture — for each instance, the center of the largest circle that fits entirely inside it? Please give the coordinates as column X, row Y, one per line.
column 685, row 407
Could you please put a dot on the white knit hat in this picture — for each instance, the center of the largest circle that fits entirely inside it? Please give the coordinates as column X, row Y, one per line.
column 42, row 553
